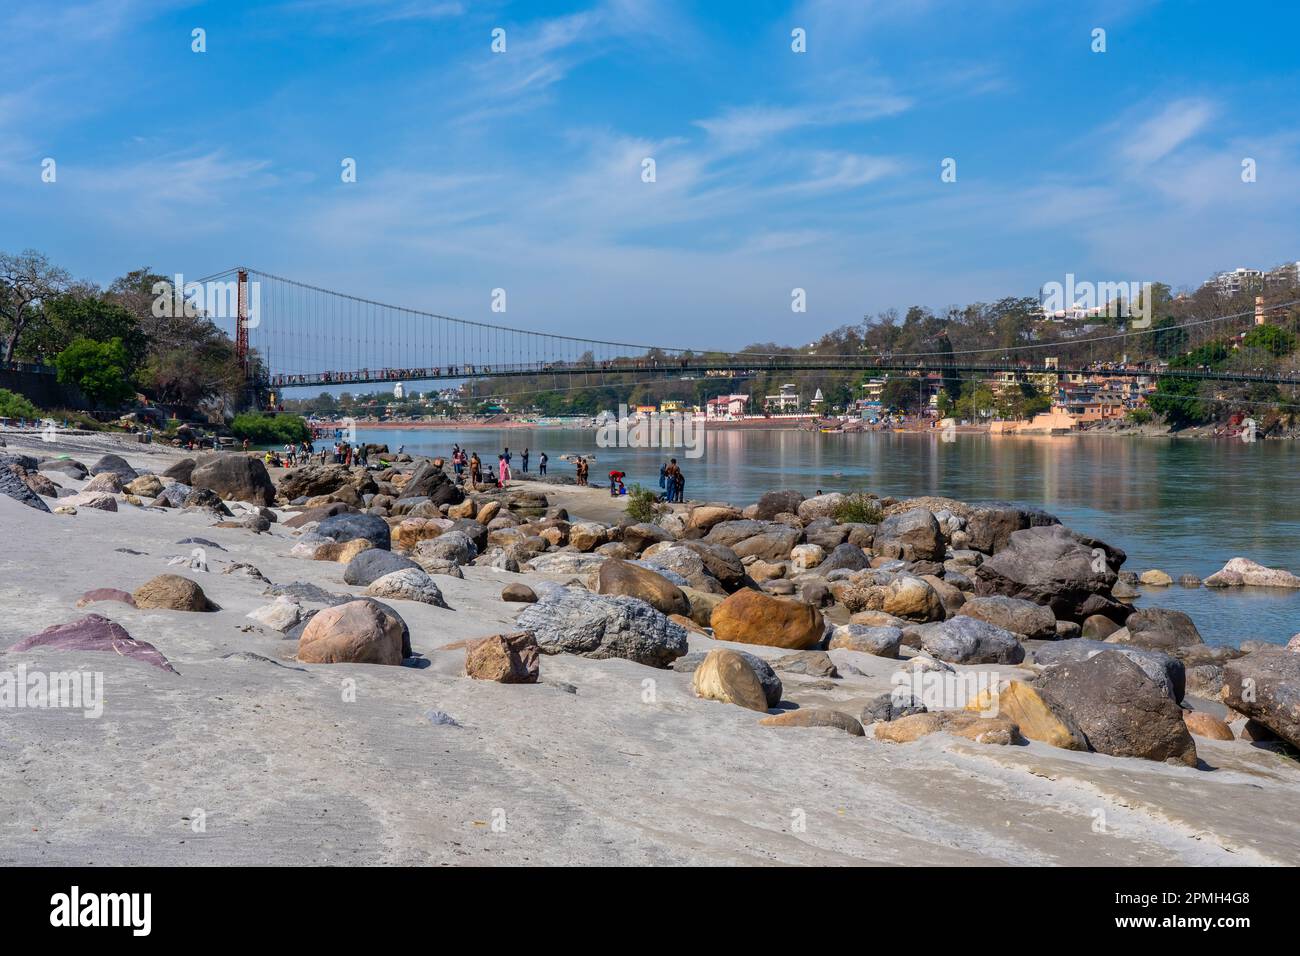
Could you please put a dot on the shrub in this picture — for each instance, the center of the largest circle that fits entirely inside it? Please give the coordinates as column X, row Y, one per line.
column 270, row 429
column 99, row 369
column 643, row 505
column 1140, row 416
column 858, row 509
column 76, row 419
column 13, row 405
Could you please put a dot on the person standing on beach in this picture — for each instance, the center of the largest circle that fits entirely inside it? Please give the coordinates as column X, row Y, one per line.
column 663, row 481
column 475, row 468
column 505, row 453
column 671, row 473
column 525, row 460
column 541, row 464
column 503, row 468
column 581, row 466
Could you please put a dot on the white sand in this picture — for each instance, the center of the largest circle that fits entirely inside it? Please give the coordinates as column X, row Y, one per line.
column 286, row 770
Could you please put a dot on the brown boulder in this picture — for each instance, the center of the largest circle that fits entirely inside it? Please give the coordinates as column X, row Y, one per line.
column 616, row 576
column 752, row 617
column 172, row 592
column 726, row 676
column 358, row 632
column 504, row 658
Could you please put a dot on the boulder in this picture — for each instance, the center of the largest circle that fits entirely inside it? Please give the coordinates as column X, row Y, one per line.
column 638, row 537
column 1157, row 628
column 566, row 620
column 1155, row 578
column 1098, row 627
column 751, row 617
column 235, row 477
column 504, row 658
column 315, row 480
column 1165, row 670
column 892, row 706
column 777, row 502
column 117, row 465
column 281, row 615
column 821, row 506
column 372, row 564
column 13, row 486
column 95, row 633
column 1022, row 704
column 430, row 480
column 359, row 632
column 704, row 517
column 989, row 526
column 772, row 688
column 845, row 556
column 1120, row 710
column 587, row 535
column 518, row 593
column 807, row 663
column 182, row 471
column 911, row 535
column 1052, row 566
column 455, row 546
column 1201, row 724
column 347, row 527
column 805, row 557
column 880, row 641
column 105, row 594
column 407, row 584
column 621, row 577
column 146, row 486
column 968, row 640
column 726, row 676
column 172, row 592
column 815, row 717
column 1265, row 686
column 719, row 561
column 1240, row 572
column 97, row 500
column 1029, row 620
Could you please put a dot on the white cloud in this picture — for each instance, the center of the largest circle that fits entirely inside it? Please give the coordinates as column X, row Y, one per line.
column 1160, row 135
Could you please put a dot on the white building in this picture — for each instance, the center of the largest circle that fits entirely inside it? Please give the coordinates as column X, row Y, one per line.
column 399, row 392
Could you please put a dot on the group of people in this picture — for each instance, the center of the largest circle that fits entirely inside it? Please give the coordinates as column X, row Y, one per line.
column 469, row 465
column 672, row 481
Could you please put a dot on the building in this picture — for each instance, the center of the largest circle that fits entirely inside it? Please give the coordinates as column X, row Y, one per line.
column 1236, row 280
column 672, row 406
column 787, row 400
column 726, row 407
column 399, row 391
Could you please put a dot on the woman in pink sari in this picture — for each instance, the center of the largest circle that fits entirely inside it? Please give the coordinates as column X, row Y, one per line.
column 503, row 470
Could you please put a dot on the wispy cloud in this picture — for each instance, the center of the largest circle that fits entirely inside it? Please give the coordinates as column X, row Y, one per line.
column 1160, row 135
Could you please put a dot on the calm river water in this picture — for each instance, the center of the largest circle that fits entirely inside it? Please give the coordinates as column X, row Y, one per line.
column 1182, row 506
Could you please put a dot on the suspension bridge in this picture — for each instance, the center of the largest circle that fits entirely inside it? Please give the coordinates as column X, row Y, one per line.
column 292, row 335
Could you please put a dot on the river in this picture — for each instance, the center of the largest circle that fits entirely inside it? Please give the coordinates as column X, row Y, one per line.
column 1181, row 506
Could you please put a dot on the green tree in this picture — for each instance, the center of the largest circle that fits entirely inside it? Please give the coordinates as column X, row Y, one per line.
column 99, row 369
column 1271, row 338
column 1178, row 400
column 72, row 316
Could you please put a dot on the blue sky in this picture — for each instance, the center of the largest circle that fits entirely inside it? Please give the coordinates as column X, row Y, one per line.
column 775, row 170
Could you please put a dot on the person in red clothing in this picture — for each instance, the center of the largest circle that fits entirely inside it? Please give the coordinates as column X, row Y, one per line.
column 615, row 478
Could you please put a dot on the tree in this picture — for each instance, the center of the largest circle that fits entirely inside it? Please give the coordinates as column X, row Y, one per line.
column 1178, row 400
column 99, row 369
column 26, row 280
column 1271, row 338
column 902, row 393
column 69, row 317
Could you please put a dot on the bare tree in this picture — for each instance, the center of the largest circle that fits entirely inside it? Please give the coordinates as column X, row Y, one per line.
column 25, row 281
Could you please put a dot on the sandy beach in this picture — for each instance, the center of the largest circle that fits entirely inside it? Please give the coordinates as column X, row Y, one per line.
column 600, row 762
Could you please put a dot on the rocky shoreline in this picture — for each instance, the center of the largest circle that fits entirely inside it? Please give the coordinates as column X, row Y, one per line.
column 939, row 633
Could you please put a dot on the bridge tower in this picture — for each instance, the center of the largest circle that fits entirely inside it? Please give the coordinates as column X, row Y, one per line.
column 241, row 323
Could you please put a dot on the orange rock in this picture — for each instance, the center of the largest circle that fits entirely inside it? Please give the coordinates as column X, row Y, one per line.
column 751, row 617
